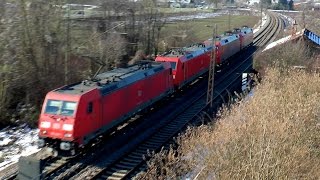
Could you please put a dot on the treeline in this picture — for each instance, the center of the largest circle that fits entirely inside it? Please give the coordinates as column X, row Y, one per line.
column 42, row 48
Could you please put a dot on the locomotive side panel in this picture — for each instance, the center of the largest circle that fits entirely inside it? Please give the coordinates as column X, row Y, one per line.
column 196, row 66
column 128, row 100
column 247, row 36
column 89, row 116
column 229, row 49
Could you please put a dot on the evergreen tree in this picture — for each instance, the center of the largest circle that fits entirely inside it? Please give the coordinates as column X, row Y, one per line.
column 290, row 4
column 283, row 4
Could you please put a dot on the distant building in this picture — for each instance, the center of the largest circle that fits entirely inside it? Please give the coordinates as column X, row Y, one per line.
column 253, row 2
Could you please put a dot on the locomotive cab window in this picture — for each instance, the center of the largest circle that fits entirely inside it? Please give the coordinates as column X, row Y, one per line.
column 90, row 107
column 173, row 65
column 56, row 107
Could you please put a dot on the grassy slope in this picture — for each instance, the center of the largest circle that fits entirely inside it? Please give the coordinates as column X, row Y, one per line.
column 274, row 135
column 203, row 28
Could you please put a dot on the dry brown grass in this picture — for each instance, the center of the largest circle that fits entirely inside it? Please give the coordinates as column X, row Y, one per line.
column 273, row 135
column 296, row 53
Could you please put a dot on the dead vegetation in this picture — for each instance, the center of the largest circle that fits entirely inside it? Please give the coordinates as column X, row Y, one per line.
column 295, row 53
column 273, row 135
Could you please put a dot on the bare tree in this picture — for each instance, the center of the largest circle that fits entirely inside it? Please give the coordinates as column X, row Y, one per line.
column 153, row 23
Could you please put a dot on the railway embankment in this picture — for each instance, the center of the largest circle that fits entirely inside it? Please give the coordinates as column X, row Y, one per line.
column 273, row 135
column 299, row 52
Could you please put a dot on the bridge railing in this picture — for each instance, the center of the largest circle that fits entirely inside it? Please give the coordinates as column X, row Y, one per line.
column 312, row 36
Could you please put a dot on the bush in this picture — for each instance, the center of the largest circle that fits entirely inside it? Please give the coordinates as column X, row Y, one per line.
column 285, row 56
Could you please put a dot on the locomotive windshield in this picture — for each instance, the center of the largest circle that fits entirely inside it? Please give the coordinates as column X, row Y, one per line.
column 56, row 107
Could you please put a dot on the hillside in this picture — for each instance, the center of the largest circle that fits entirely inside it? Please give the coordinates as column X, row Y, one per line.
column 273, row 135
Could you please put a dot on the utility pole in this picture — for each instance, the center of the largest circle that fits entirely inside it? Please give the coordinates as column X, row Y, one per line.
column 66, row 57
column 261, row 12
column 229, row 20
column 303, row 17
column 211, row 69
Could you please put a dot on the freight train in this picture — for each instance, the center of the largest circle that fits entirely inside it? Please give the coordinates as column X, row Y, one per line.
column 74, row 115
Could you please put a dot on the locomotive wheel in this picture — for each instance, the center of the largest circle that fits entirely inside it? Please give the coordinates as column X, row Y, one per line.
column 73, row 152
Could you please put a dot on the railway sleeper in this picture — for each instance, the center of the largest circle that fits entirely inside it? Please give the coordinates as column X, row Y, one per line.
column 116, row 174
column 122, row 171
column 147, row 146
column 132, row 160
column 109, row 177
column 130, row 163
column 157, row 139
column 141, row 151
column 170, row 128
column 162, row 139
column 123, row 166
column 155, row 142
column 134, row 156
column 163, row 132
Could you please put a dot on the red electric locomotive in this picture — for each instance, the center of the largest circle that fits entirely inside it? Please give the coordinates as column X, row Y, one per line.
column 75, row 114
column 226, row 46
column 246, row 36
column 231, row 43
column 187, row 63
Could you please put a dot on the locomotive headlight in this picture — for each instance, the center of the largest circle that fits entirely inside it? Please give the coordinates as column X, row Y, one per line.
column 67, row 127
column 68, row 135
column 45, row 124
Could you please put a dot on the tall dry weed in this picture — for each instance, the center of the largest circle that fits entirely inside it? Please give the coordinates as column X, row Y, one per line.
column 273, row 135
column 286, row 55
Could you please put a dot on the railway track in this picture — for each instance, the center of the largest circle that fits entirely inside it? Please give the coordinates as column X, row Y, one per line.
column 270, row 31
column 123, row 162
column 127, row 165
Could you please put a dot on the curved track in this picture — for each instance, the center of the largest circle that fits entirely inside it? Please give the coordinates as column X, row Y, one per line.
column 270, row 31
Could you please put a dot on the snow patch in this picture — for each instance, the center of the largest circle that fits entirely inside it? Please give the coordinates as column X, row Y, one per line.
column 16, row 142
column 264, row 20
column 197, row 16
column 283, row 40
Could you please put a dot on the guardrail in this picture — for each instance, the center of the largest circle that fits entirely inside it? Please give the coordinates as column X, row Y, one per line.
column 312, row 36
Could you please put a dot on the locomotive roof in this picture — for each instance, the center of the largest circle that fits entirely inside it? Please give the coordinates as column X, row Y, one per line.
column 108, row 81
column 243, row 29
column 225, row 39
column 189, row 52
